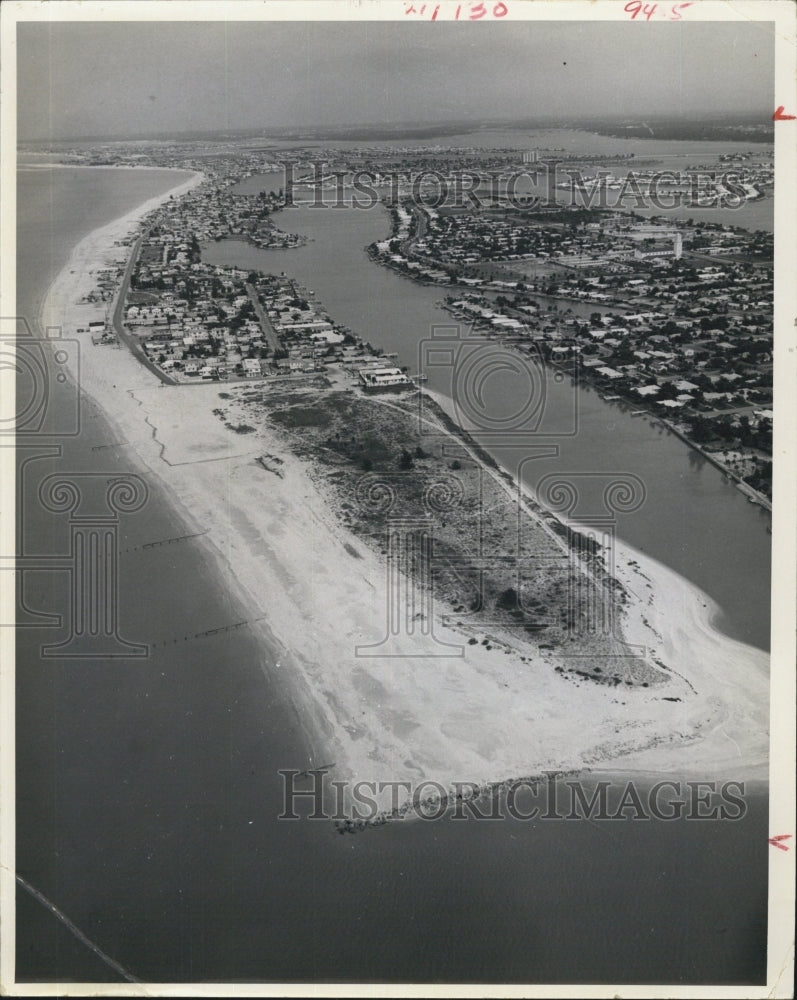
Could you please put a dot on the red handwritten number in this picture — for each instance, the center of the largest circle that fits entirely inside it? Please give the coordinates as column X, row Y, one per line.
column 636, row 7
column 475, row 12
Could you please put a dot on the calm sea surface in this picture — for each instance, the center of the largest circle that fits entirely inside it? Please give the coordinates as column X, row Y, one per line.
column 147, row 790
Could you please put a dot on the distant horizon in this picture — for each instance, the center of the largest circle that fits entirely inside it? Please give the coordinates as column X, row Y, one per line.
column 115, row 80
column 450, row 126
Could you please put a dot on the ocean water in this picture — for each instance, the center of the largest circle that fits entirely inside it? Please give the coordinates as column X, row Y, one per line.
column 147, row 794
column 57, row 208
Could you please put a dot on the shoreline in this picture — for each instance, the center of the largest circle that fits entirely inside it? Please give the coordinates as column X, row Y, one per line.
column 113, row 231
column 682, row 600
column 102, row 166
column 97, row 247
column 745, row 488
column 455, row 723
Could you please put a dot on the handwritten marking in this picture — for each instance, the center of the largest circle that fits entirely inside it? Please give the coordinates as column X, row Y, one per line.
column 776, row 841
column 649, row 10
column 474, row 11
column 781, row 116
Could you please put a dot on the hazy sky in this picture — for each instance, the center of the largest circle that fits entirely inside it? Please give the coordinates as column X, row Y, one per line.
column 131, row 79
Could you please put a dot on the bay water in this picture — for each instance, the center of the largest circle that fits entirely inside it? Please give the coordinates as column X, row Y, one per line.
column 693, row 518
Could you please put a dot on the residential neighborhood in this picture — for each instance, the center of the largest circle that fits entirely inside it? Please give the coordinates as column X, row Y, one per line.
column 673, row 317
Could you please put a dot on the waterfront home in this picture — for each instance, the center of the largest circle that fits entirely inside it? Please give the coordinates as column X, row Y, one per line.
column 383, row 378
column 328, row 336
column 609, row 372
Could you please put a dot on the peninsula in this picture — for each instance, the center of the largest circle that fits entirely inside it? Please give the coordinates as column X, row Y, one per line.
column 490, row 674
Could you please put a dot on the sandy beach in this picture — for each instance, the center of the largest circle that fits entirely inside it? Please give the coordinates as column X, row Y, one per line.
column 484, row 716
column 47, row 165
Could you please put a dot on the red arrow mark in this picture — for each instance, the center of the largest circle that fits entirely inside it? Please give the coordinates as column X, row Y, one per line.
column 781, row 116
column 776, row 841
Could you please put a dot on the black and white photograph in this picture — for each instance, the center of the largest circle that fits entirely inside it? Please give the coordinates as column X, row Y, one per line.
column 397, row 519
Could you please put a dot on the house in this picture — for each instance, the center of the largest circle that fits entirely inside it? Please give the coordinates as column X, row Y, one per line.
column 373, row 379
column 328, row 336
